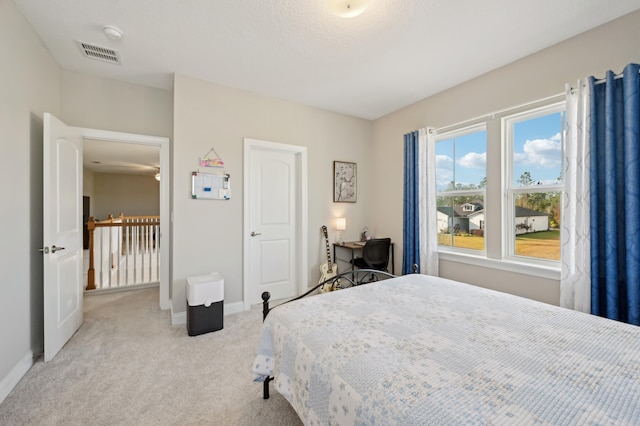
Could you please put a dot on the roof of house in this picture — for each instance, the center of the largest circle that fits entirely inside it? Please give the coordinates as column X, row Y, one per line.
column 523, row 211
column 459, row 211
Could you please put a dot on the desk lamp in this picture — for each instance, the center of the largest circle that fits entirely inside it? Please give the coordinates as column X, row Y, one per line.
column 341, row 225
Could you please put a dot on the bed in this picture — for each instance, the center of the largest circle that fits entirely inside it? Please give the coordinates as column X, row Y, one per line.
column 424, row 350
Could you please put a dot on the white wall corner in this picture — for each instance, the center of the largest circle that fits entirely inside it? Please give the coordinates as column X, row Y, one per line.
column 13, row 377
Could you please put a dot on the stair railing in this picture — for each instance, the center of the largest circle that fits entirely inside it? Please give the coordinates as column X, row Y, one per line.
column 128, row 248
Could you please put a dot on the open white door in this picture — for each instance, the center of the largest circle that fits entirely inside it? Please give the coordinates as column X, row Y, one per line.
column 62, row 234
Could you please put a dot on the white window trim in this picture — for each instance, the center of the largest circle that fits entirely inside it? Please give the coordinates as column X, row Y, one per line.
column 480, row 126
column 509, row 190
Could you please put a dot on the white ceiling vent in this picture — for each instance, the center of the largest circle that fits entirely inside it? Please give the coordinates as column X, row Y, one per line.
column 100, row 53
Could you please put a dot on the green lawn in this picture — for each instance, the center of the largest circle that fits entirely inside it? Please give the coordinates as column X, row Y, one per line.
column 543, row 245
column 543, row 235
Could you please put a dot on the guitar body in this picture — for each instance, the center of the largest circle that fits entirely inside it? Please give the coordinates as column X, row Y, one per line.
column 329, row 269
column 325, row 274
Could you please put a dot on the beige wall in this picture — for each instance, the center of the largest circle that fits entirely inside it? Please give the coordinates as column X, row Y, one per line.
column 133, row 195
column 207, row 235
column 29, row 86
column 543, row 74
column 105, row 104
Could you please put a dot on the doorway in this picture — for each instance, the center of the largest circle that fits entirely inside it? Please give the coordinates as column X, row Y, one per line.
column 163, row 143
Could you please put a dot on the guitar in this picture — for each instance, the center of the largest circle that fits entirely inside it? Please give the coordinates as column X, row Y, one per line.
column 327, row 270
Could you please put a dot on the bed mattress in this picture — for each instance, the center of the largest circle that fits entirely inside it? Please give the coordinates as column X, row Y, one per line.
column 420, row 350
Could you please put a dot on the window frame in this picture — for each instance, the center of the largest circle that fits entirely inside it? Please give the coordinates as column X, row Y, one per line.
column 510, row 190
column 494, row 255
column 452, row 134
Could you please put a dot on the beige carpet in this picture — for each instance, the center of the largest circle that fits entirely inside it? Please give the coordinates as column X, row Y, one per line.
column 128, row 366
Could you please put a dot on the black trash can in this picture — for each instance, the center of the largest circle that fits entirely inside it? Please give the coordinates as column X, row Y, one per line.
column 205, row 303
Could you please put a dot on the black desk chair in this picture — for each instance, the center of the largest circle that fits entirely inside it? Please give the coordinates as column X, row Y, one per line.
column 375, row 255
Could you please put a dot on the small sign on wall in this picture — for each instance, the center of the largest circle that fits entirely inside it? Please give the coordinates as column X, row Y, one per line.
column 209, row 186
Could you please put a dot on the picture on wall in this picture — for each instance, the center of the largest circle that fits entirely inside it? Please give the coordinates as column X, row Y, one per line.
column 344, row 182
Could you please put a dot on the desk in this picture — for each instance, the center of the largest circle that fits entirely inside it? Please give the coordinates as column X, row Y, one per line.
column 354, row 246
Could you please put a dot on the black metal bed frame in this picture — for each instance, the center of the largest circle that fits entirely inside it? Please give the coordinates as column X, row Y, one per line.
column 340, row 281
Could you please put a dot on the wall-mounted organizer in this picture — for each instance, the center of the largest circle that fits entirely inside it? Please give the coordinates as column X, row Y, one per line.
column 208, row 186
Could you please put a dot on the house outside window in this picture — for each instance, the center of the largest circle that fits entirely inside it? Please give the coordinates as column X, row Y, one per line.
column 460, row 183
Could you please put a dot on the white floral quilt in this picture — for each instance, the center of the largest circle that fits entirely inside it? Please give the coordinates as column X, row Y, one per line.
column 420, row 350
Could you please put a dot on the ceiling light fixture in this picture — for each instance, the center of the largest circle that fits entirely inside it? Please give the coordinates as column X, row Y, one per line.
column 112, row 32
column 347, row 8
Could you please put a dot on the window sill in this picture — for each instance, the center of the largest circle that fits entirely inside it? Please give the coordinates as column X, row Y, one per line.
column 504, row 265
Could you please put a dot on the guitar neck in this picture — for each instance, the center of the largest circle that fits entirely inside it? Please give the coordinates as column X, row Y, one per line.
column 326, row 242
column 328, row 253
column 328, row 256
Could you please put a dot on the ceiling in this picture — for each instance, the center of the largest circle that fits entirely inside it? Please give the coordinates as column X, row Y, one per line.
column 392, row 55
column 120, row 158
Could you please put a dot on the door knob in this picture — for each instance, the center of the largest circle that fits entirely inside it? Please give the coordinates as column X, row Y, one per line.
column 55, row 249
column 253, row 234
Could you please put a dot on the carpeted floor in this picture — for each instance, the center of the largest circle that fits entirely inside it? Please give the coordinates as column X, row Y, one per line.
column 127, row 365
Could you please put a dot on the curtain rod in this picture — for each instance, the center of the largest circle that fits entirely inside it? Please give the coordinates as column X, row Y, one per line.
column 498, row 112
column 615, row 77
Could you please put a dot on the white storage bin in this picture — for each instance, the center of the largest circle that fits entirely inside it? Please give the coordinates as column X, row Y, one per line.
column 205, row 303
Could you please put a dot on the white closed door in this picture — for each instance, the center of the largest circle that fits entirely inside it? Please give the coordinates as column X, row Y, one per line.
column 273, row 254
column 62, row 234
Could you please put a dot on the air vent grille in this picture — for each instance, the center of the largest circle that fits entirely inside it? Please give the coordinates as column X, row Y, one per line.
column 100, row 53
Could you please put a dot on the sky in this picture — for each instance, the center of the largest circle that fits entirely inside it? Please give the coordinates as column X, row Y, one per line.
column 537, row 150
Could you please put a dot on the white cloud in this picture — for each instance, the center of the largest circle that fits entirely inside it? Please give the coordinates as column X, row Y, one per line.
column 444, row 162
column 540, row 152
column 474, row 160
column 444, row 170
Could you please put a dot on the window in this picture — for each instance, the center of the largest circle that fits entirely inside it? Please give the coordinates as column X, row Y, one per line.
column 499, row 186
column 534, row 141
column 460, row 182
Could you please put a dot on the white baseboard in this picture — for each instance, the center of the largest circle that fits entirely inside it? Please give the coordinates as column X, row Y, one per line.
column 11, row 380
column 233, row 308
column 180, row 318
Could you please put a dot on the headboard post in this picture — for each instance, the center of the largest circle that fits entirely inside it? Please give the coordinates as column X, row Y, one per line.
column 265, row 304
